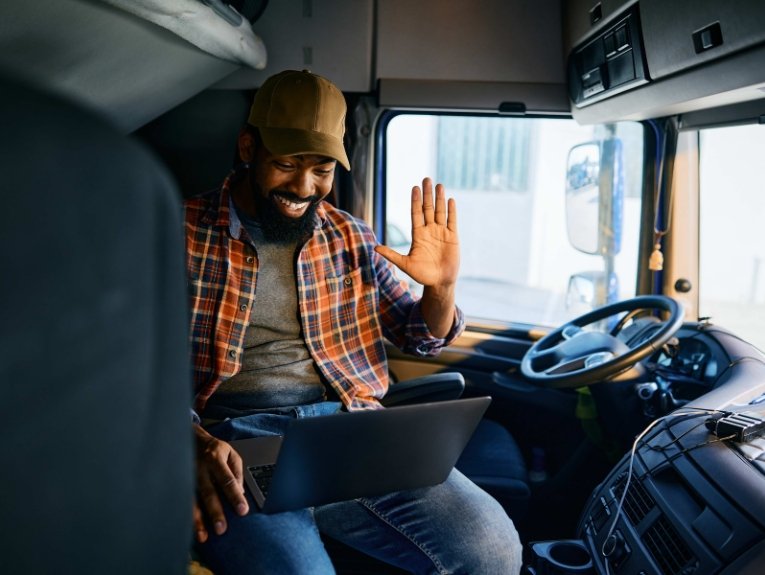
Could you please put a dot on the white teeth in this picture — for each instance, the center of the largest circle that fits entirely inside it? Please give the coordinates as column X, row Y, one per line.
column 291, row 205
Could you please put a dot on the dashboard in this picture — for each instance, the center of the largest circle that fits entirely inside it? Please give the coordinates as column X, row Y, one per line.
column 686, row 368
column 683, row 501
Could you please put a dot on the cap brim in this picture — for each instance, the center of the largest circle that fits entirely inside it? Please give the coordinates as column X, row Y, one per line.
column 291, row 142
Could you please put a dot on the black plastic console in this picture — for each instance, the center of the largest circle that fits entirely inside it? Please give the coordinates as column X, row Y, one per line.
column 694, row 505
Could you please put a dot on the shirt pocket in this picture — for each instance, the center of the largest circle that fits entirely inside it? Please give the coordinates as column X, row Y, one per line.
column 352, row 311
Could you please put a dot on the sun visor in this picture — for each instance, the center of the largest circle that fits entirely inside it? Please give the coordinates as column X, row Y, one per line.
column 212, row 26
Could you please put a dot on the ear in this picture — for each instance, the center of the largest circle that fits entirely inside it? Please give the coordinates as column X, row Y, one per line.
column 246, row 146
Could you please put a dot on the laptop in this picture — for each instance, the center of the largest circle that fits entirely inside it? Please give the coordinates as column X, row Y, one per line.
column 343, row 456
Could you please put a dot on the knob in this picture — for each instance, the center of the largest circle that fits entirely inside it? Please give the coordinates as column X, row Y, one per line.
column 683, row 285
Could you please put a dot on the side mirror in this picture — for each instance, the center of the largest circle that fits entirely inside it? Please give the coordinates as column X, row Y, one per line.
column 594, row 197
column 591, row 289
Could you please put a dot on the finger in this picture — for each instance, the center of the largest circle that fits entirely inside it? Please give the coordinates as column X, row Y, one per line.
column 391, row 255
column 418, row 220
column 230, row 480
column 199, row 524
column 441, row 215
column 210, row 502
column 427, row 200
column 451, row 220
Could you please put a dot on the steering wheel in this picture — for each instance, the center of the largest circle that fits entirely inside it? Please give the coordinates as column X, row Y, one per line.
column 571, row 356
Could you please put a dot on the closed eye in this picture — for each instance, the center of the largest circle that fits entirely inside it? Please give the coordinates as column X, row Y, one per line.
column 284, row 166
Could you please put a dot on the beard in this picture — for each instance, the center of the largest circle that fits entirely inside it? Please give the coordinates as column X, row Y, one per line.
column 277, row 227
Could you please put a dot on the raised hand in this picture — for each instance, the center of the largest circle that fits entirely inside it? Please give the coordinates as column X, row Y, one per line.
column 434, row 256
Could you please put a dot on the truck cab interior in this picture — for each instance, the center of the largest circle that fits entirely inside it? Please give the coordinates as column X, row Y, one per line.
column 606, row 160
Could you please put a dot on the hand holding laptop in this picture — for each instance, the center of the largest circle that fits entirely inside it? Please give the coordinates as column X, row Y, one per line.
column 385, row 450
column 219, row 469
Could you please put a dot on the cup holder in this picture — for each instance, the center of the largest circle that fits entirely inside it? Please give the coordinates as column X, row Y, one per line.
column 564, row 557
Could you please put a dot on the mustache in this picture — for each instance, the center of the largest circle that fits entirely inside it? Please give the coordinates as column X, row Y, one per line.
column 290, row 197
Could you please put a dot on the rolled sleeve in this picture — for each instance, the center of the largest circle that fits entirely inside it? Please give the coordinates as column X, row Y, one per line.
column 422, row 342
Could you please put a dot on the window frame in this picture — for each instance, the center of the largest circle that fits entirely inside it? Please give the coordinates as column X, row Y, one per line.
column 646, row 282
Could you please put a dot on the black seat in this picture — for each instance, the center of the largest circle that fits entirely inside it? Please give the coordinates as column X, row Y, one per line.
column 491, row 459
column 94, row 377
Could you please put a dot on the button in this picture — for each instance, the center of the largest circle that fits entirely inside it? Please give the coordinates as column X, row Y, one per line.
column 232, row 354
column 621, row 38
column 610, row 44
column 250, row 259
column 243, row 307
column 706, row 40
column 347, row 281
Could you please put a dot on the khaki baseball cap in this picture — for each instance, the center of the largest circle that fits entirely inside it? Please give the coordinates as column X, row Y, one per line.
column 300, row 113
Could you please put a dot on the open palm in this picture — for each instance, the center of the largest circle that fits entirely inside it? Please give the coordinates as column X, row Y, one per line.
column 434, row 255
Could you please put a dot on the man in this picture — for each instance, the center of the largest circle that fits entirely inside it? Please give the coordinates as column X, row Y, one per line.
column 291, row 298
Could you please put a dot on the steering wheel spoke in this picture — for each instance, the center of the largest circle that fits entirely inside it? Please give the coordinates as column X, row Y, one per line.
column 567, row 365
column 570, row 331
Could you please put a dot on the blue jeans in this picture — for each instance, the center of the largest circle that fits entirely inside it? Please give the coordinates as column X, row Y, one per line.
column 454, row 527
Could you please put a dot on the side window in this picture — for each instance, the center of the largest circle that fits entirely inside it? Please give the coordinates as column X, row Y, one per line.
column 731, row 236
column 509, row 177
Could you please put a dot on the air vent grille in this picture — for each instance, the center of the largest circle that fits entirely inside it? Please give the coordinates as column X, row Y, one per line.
column 669, row 551
column 638, row 502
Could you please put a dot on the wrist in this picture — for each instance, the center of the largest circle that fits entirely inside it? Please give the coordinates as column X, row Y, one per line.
column 442, row 293
column 438, row 309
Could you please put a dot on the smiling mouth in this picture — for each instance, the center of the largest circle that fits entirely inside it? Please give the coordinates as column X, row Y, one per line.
column 292, row 204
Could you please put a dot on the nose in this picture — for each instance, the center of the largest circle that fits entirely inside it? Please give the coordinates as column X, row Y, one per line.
column 301, row 184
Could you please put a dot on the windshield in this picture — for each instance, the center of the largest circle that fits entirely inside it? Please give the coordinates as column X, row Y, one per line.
column 509, row 179
column 731, row 230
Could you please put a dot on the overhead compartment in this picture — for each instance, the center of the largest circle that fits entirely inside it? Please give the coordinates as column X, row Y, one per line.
column 493, row 55
column 328, row 37
column 653, row 58
column 682, row 34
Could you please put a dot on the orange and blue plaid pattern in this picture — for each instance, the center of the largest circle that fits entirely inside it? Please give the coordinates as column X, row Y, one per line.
column 349, row 299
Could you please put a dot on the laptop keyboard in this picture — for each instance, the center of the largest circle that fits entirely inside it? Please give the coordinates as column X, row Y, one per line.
column 262, row 474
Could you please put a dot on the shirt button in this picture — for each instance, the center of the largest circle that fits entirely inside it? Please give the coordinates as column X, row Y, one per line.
column 347, row 281
column 243, row 307
column 250, row 259
column 232, row 354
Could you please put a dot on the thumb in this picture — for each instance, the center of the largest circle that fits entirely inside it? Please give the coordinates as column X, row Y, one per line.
column 391, row 255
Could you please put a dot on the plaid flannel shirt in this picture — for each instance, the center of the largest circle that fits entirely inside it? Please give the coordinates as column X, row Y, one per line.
column 348, row 296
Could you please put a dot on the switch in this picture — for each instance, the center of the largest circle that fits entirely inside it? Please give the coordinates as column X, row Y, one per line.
column 622, row 40
column 596, row 14
column 707, row 38
column 610, row 44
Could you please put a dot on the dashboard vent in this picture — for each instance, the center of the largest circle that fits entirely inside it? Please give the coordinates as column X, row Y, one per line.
column 638, row 502
column 669, row 551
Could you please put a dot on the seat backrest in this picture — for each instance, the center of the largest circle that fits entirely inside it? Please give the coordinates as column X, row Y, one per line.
column 94, row 374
